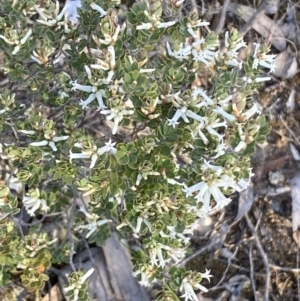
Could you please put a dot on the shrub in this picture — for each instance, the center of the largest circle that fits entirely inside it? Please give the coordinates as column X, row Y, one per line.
column 141, row 71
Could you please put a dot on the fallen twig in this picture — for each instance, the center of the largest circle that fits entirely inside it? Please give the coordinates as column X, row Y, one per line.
column 70, row 225
column 227, row 268
column 252, row 277
column 263, row 256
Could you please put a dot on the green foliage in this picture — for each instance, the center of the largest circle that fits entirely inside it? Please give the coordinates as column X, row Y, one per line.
column 173, row 150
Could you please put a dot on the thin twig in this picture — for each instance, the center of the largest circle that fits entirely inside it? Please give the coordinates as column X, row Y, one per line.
column 298, row 277
column 240, row 268
column 289, row 130
column 70, row 225
column 221, row 22
column 284, row 269
column 195, row 254
column 227, row 268
column 263, row 256
column 252, row 277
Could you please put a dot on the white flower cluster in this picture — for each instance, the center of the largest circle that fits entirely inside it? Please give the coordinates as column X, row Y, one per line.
column 93, row 153
column 208, row 115
column 69, row 12
column 93, row 222
column 76, row 286
column 33, row 202
column 188, row 286
column 211, row 188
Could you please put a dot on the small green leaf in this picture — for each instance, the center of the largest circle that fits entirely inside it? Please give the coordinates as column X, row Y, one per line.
column 124, row 160
column 120, row 154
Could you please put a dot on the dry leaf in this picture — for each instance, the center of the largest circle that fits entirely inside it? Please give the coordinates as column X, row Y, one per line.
column 263, row 25
column 295, row 193
column 290, row 104
column 245, row 203
column 295, row 153
column 286, row 64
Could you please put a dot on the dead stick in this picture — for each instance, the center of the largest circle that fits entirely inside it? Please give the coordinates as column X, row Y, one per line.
column 263, row 256
column 252, row 277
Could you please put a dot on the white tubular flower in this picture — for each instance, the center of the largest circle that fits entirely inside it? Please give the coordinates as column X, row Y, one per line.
column 216, row 168
column 99, row 9
column 55, row 19
column 203, row 137
column 83, row 88
column 32, row 202
column 212, row 188
column 71, row 13
column 112, row 60
column 119, row 198
column 233, row 47
column 141, row 220
column 174, row 182
column 144, row 26
column 214, row 133
column 108, row 148
column 198, row 43
column 191, row 31
column 102, row 66
column 199, row 92
column 262, row 79
column 248, row 114
column 109, row 40
column 93, row 222
column 226, row 115
column 184, row 113
column 144, row 280
column 96, row 93
column 235, row 63
column 188, row 291
column 78, row 156
column 241, row 146
column 201, row 186
column 26, row 37
column 117, row 114
column 200, row 23
column 264, row 60
column 177, row 254
column 115, row 35
column 204, row 56
column 145, row 276
column 76, row 286
column 18, row 43
column 146, row 70
column 144, row 175
column 51, row 142
column 165, row 24
column 7, row 40
column 92, row 153
column 206, row 275
column 31, row 132
column 110, row 75
column 157, row 252
column 181, row 54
